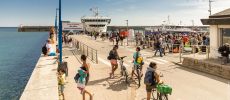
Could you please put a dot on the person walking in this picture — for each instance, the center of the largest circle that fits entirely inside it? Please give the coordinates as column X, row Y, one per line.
column 113, row 56
column 85, row 67
column 158, row 48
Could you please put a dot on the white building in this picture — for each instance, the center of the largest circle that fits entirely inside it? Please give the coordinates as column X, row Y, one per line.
column 219, row 30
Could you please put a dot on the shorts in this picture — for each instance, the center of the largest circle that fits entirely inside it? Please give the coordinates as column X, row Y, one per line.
column 61, row 88
column 149, row 88
column 135, row 67
column 52, row 54
column 113, row 61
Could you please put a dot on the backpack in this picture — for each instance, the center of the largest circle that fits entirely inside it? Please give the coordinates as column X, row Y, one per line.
column 150, row 78
column 76, row 77
column 112, row 55
column 138, row 59
column 44, row 49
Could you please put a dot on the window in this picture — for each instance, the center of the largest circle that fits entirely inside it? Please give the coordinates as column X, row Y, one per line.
column 225, row 35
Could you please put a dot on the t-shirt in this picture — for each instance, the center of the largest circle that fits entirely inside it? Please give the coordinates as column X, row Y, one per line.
column 135, row 56
column 49, row 47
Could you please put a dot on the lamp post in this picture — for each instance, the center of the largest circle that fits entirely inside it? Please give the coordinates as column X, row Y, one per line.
column 210, row 7
column 127, row 22
column 60, row 34
column 56, row 28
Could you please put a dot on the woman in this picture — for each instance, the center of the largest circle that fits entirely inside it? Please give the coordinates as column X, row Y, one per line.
column 50, row 50
column 113, row 60
column 85, row 67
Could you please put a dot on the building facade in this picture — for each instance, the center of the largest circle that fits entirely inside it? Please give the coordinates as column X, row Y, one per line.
column 219, row 30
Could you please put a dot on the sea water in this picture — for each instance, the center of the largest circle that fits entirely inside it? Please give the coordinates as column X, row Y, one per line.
column 19, row 53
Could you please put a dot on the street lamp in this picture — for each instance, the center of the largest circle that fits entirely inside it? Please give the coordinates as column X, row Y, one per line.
column 210, row 7
column 60, row 34
column 56, row 28
column 127, row 22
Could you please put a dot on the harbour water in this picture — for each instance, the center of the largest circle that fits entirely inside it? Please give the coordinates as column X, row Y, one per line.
column 19, row 52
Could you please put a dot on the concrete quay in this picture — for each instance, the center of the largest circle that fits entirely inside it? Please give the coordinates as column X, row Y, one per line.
column 43, row 84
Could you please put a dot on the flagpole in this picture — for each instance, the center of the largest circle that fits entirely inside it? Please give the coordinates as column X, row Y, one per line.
column 60, row 34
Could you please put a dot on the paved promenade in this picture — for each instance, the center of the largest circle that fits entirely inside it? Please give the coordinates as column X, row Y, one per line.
column 187, row 84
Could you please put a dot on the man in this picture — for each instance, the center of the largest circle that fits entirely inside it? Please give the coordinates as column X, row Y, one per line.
column 117, row 38
column 137, row 61
column 224, row 50
column 151, row 79
column 158, row 48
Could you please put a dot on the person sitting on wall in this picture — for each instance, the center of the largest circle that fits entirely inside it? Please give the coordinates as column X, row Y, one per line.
column 50, row 50
column 224, row 51
column 44, row 49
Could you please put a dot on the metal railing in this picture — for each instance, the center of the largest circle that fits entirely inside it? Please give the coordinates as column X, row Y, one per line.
column 86, row 50
column 200, row 51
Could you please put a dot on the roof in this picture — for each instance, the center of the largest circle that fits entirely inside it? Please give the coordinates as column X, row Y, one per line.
column 220, row 18
column 225, row 13
column 95, row 17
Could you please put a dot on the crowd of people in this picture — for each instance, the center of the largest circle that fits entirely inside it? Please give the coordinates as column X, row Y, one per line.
column 161, row 42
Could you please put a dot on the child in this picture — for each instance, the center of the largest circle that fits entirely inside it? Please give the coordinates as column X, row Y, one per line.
column 61, row 81
column 82, row 80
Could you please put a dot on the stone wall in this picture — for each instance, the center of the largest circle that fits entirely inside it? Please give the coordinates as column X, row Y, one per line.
column 207, row 67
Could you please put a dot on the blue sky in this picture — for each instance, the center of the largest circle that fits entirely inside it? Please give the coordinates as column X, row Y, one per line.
column 138, row 12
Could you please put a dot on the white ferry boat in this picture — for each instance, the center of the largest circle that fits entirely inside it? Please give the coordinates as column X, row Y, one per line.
column 95, row 23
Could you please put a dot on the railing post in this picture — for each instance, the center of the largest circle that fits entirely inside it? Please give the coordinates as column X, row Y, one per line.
column 180, row 48
column 84, row 49
column 172, row 48
column 87, row 51
column 80, row 46
column 92, row 54
column 194, row 50
column 96, row 57
column 208, row 50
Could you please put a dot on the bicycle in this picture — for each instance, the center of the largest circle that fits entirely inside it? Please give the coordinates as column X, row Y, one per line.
column 159, row 94
column 123, row 69
column 138, row 73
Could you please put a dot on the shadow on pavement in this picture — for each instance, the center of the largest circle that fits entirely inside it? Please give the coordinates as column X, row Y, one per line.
column 96, row 82
column 118, row 85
